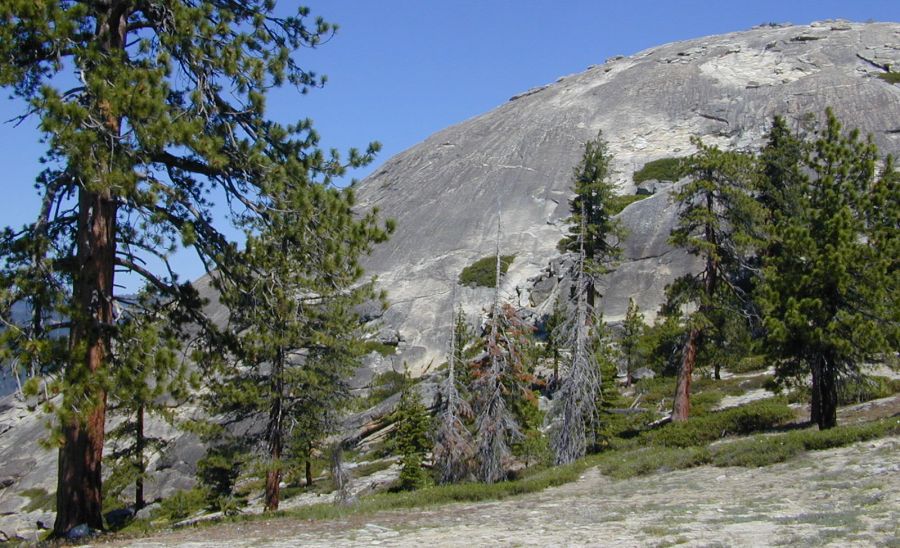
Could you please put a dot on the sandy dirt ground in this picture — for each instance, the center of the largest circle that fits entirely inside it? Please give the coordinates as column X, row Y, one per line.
column 842, row 497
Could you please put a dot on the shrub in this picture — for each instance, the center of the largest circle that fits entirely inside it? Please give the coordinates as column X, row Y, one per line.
column 664, row 169
column 483, row 272
column 39, row 499
column 377, row 346
column 890, row 77
column 627, row 464
column 866, row 389
column 183, row 504
column 700, row 430
column 618, row 203
column 756, row 451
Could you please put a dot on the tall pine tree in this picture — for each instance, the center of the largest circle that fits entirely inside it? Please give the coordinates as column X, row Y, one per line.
column 830, row 278
column 717, row 221
column 292, row 308
column 601, row 234
column 150, row 111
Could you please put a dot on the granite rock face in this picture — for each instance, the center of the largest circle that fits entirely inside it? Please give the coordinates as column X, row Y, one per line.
column 445, row 193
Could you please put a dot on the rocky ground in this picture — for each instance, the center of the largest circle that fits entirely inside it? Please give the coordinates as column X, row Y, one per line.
column 842, row 497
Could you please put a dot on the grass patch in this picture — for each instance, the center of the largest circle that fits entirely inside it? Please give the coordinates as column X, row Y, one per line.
column 39, row 499
column 483, row 272
column 617, row 203
column 650, row 460
column 664, row 169
column 380, row 347
column 890, row 77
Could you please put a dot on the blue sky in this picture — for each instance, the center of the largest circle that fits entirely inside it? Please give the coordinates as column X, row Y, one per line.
column 400, row 70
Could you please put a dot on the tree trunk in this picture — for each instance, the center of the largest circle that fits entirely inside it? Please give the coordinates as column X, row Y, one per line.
column 139, row 449
column 276, row 434
column 824, row 394
column 309, row 477
column 682, row 406
column 78, row 492
column 717, row 371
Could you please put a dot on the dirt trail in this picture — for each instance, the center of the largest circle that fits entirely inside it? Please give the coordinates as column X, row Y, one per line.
column 841, row 497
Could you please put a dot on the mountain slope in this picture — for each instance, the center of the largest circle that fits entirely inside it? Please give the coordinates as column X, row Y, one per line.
column 445, row 192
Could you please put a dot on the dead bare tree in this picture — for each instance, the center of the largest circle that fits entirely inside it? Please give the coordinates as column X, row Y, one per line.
column 452, row 441
column 575, row 406
column 495, row 425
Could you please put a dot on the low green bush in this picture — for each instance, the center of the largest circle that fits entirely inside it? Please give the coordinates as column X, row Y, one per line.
column 183, row 504
column 866, row 389
column 756, row 451
column 700, row 430
column 39, row 499
column 664, row 169
column 483, row 272
column 890, row 77
column 380, row 347
column 618, row 203
column 748, row 364
column 649, row 460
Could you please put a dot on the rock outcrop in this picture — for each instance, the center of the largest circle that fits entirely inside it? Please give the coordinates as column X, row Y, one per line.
column 444, row 193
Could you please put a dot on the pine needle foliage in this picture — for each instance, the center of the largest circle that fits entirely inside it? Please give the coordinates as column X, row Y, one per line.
column 830, row 284
column 452, row 451
column 411, row 437
column 150, row 112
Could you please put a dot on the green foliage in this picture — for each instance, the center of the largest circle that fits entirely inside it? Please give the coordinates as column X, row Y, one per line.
column 383, row 386
column 661, row 344
column 168, row 116
column 377, row 346
column 633, row 330
column 866, row 388
column 748, row 364
column 483, row 272
column 766, row 450
column 411, row 437
column 664, row 169
column 183, row 504
column 890, row 77
column 620, row 201
column 149, row 378
column 217, row 471
column 592, row 207
column 829, row 293
column 653, row 459
column 702, row 429
column 39, row 499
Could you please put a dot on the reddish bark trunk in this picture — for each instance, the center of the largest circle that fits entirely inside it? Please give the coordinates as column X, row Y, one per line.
column 78, row 495
column 682, row 406
column 275, row 431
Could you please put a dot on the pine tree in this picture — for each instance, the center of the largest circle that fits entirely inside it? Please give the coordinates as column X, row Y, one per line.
column 717, row 221
column 411, row 436
column 631, row 339
column 590, row 207
column 292, row 307
column 830, row 281
column 150, row 377
column 497, row 384
column 166, row 114
column 575, row 405
column 452, row 441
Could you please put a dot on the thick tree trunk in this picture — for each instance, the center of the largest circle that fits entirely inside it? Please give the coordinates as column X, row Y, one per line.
column 139, row 449
column 78, row 494
column 309, row 477
column 681, row 409
column 276, row 434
